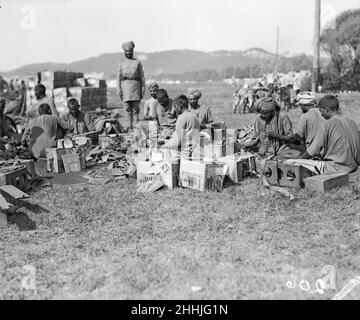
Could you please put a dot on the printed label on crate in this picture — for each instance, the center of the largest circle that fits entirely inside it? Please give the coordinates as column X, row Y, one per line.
column 143, row 178
column 190, row 180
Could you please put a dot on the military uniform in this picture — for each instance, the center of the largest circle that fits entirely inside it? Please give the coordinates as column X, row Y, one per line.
column 131, row 85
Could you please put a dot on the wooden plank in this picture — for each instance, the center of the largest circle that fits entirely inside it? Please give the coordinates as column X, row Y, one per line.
column 13, row 192
column 323, row 183
column 3, row 220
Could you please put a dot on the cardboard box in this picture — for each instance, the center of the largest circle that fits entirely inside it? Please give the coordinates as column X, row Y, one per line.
column 238, row 168
column 166, row 171
column 54, row 158
column 200, row 175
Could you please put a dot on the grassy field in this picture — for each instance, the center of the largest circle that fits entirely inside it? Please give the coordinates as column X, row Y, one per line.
column 109, row 242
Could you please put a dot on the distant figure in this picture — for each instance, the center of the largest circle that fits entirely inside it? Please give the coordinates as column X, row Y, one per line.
column 79, row 120
column 40, row 94
column 131, row 83
column 285, row 98
column 41, row 132
column 201, row 112
column 4, row 86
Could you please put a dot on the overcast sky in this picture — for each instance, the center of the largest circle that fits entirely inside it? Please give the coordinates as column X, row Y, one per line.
column 69, row 30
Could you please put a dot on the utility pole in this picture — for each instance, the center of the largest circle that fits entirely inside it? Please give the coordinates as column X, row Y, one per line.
column 277, row 51
column 316, row 58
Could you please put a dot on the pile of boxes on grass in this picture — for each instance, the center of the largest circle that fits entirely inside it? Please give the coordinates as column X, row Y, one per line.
column 219, row 158
column 63, row 85
column 163, row 167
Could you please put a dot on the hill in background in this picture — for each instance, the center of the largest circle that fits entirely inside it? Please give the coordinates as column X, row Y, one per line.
column 179, row 62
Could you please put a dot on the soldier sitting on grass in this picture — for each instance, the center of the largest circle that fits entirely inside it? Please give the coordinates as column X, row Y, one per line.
column 337, row 142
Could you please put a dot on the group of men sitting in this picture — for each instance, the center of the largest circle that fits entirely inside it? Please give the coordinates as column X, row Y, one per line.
column 173, row 123
column 325, row 141
column 45, row 126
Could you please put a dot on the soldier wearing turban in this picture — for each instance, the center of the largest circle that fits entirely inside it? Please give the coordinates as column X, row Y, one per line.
column 201, row 112
column 274, row 131
column 131, row 83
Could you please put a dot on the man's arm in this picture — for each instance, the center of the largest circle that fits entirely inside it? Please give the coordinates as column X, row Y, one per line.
column 67, row 127
column 119, row 81
column 53, row 107
column 176, row 138
column 90, row 126
column 142, row 80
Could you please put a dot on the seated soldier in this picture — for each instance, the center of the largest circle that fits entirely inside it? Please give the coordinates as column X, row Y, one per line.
column 201, row 112
column 41, row 132
column 40, row 94
column 337, row 142
column 311, row 119
column 273, row 132
column 166, row 116
column 163, row 128
column 80, row 120
column 187, row 133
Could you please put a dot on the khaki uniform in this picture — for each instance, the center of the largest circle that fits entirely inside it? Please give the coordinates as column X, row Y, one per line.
column 131, row 87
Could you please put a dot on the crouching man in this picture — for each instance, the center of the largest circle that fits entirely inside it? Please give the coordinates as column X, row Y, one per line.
column 41, row 132
column 336, row 144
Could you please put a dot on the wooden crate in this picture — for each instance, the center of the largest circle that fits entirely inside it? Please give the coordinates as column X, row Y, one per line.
column 28, row 163
column 17, row 177
column 54, row 160
column 291, row 176
column 271, row 172
column 200, row 175
column 238, row 168
column 323, row 183
column 166, row 171
column 93, row 135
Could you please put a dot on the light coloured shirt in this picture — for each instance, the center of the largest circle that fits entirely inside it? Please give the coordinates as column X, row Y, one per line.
column 339, row 139
column 309, row 125
column 41, row 133
column 33, row 112
column 203, row 114
column 166, row 116
column 187, row 132
column 131, row 79
column 81, row 124
column 279, row 124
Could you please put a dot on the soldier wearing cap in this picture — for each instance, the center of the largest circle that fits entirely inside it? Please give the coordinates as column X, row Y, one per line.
column 131, row 83
column 311, row 119
column 201, row 112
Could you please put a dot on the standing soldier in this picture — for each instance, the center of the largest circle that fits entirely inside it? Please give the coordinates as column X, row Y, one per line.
column 131, row 83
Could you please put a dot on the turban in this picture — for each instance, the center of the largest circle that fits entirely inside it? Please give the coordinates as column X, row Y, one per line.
column 265, row 104
column 195, row 94
column 153, row 85
column 128, row 45
column 306, row 98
